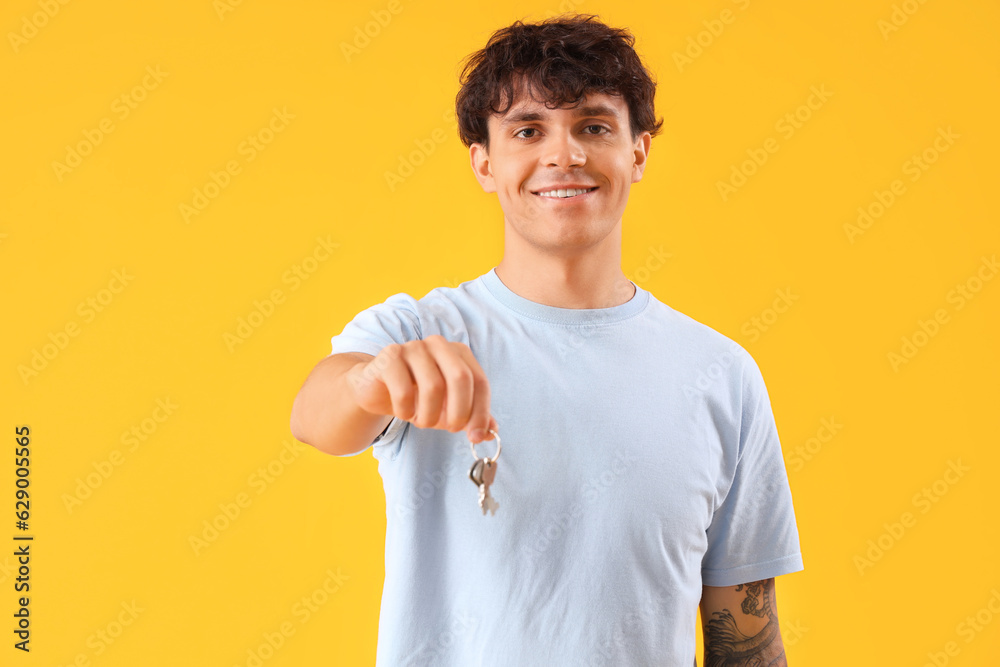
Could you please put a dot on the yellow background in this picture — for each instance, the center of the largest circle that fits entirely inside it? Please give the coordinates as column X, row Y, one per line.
column 163, row 336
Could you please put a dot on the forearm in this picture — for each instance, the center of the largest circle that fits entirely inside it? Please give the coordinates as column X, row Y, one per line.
column 741, row 625
column 325, row 414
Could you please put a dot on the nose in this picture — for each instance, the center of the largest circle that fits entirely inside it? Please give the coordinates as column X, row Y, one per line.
column 564, row 150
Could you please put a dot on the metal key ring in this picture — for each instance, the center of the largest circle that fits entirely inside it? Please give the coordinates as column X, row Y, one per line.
column 472, row 446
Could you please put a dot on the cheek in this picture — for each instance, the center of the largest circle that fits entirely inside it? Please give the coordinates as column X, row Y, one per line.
column 624, row 177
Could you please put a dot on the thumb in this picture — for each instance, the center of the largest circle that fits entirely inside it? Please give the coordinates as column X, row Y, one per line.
column 477, row 435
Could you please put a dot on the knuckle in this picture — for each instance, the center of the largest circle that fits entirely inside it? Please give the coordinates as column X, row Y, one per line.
column 461, row 377
column 433, row 386
column 404, row 402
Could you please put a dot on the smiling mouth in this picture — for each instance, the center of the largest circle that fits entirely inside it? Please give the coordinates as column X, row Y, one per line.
column 564, row 194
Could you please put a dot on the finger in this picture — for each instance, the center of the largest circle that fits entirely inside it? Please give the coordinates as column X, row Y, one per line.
column 480, row 417
column 486, row 433
column 458, row 379
column 430, row 385
column 399, row 382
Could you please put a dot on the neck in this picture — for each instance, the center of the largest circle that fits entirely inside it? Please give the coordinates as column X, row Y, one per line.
column 576, row 283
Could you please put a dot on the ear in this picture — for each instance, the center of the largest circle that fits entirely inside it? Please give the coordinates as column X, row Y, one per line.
column 481, row 167
column 642, row 145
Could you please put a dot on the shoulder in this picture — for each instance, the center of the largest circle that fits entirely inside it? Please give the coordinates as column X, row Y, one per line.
column 711, row 351
column 435, row 302
column 441, row 310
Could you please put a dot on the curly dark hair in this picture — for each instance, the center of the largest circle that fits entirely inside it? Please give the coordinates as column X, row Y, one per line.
column 566, row 57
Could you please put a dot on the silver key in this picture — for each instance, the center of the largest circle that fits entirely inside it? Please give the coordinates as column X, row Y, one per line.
column 486, row 501
column 482, row 473
column 487, row 473
column 476, row 473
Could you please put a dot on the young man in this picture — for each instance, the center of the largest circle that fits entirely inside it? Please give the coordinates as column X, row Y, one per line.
column 641, row 473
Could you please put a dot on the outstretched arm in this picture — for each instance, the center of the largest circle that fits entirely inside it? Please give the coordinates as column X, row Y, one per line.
column 740, row 625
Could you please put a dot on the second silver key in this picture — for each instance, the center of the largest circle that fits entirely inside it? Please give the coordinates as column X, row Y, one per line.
column 486, row 474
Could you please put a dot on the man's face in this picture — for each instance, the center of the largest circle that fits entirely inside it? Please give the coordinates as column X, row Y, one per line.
column 535, row 150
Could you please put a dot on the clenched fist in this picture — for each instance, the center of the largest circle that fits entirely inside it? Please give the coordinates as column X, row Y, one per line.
column 431, row 383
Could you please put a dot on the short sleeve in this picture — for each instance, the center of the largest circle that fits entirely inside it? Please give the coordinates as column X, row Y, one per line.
column 396, row 320
column 753, row 534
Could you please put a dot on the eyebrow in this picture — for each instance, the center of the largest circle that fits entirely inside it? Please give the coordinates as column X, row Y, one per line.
column 592, row 110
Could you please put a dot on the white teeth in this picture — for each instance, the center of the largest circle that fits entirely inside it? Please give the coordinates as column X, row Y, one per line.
column 564, row 193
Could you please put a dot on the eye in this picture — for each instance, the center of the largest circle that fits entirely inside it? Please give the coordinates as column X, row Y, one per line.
column 531, row 129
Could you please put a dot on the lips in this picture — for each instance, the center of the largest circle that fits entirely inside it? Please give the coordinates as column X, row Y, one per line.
column 578, row 190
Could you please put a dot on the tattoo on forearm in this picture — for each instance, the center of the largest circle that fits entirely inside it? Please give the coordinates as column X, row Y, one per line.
column 726, row 646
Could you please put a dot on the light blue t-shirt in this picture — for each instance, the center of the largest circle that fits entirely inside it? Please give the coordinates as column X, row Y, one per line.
column 640, row 461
